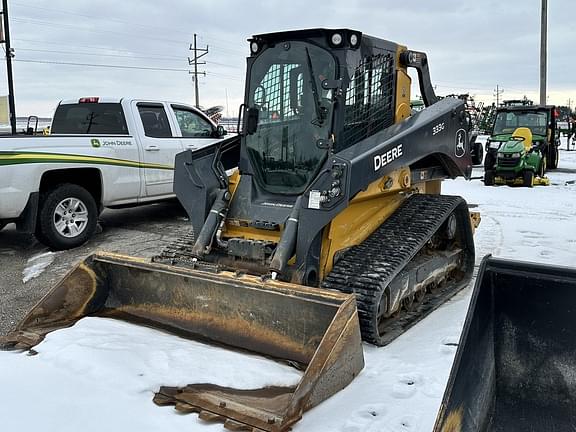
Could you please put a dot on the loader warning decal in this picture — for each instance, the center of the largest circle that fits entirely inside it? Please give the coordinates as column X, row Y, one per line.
column 460, row 149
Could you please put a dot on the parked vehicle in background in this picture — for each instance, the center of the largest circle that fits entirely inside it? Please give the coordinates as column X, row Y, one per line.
column 542, row 123
column 101, row 152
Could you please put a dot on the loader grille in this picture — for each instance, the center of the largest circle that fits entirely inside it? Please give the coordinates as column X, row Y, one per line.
column 369, row 99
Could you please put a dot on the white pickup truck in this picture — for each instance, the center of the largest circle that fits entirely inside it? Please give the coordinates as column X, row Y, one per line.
column 102, row 152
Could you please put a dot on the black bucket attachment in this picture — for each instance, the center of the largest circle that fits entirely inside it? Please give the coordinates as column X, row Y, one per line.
column 515, row 368
column 314, row 328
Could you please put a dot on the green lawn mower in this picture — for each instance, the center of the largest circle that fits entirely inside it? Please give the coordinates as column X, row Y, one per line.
column 518, row 161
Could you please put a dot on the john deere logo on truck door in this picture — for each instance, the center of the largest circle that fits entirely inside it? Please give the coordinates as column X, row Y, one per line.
column 95, row 142
column 460, row 149
column 384, row 159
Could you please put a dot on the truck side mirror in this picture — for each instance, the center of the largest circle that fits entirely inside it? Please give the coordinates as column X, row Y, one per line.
column 220, row 131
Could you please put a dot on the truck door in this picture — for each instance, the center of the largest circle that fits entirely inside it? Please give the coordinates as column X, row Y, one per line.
column 195, row 129
column 160, row 146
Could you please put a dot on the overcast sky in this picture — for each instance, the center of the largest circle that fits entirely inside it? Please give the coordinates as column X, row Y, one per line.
column 472, row 46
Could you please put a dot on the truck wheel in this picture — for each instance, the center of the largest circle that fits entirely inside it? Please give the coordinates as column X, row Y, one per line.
column 67, row 217
column 528, row 179
column 552, row 157
column 556, row 156
column 489, row 178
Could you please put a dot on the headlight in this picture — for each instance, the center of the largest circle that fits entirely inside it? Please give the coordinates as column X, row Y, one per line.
column 353, row 39
column 494, row 144
column 254, row 47
column 336, row 39
column 516, row 155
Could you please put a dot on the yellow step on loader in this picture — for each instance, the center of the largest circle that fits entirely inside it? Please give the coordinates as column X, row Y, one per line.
column 321, row 223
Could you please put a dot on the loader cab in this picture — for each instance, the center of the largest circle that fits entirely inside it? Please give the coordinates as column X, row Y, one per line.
column 294, row 114
column 312, row 93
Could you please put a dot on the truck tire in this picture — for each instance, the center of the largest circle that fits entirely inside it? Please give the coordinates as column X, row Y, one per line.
column 552, row 157
column 67, row 216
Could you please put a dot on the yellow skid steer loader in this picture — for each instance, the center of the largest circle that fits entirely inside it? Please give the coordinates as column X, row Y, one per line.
column 331, row 228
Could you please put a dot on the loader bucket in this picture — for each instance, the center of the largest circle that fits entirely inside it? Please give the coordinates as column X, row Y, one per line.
column 314, row 328
column 515, row 367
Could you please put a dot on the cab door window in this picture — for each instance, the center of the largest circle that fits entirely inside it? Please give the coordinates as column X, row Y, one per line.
column 155, row 121
column 193, row 125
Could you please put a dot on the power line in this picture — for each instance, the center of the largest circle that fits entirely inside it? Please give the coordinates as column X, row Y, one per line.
column 57, row 25
column 101, row 65
column 97, row 47
column 129, row 23
column 100, row 54
column 61, row 11
column 174, row 58
column 98, row 65
column 103, row 48
column 123, row 22
column 93, row 30
column 210, row 62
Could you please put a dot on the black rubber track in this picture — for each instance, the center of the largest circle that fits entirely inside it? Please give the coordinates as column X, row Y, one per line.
column 367, row 269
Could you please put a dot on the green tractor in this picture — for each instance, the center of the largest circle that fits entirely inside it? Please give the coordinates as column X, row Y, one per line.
column 523, row 145
column 519, row 161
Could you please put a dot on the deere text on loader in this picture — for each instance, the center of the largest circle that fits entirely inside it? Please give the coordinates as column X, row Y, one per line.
column 331, row 226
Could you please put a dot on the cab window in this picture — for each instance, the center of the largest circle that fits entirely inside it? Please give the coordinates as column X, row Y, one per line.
column 193, row 125
column 154, row 120
column 89, row 118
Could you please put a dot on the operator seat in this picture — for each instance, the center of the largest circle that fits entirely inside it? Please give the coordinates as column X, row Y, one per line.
column 526, row 133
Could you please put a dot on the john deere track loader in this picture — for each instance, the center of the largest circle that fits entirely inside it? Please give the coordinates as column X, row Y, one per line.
column 326, row 208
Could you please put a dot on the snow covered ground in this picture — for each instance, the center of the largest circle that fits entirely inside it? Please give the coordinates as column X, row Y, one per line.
column 102, row 374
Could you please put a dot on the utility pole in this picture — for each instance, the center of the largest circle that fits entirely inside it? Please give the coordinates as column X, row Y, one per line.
column 543, row 53
column 497, row 93
column 194, row 62
column 9, row 55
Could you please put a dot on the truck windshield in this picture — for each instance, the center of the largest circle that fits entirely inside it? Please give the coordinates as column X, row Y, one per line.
column 507, row 121
column 295, row 115
column 89, row 119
